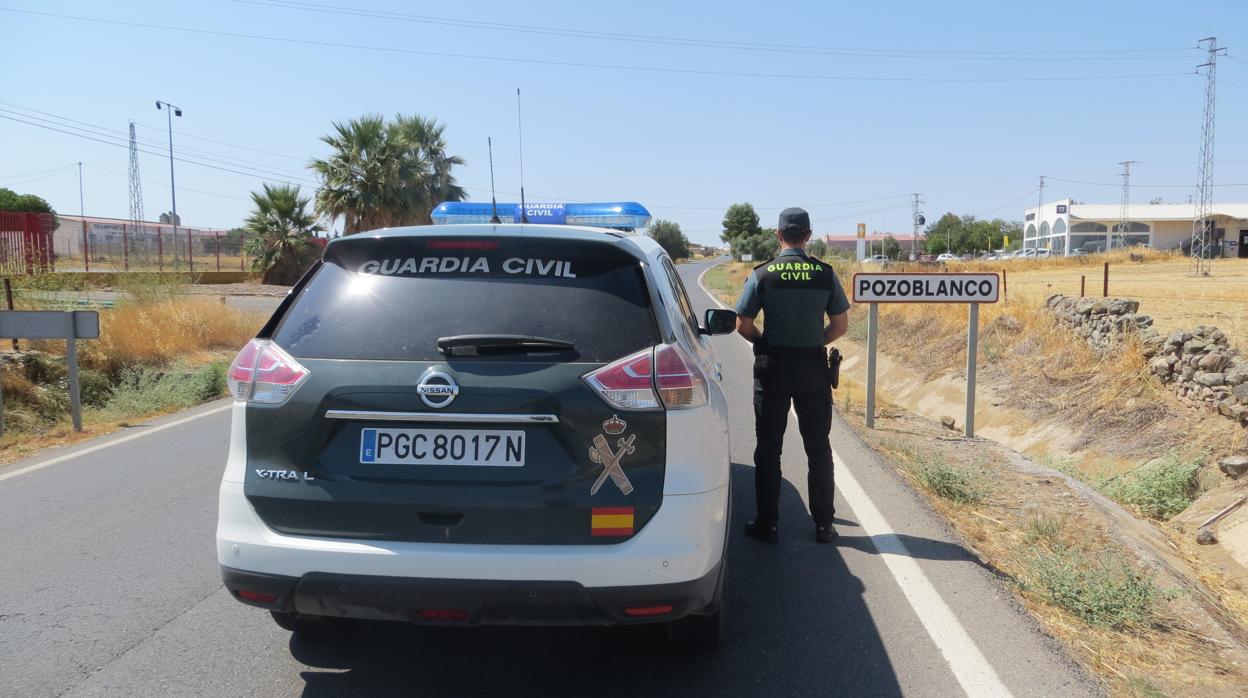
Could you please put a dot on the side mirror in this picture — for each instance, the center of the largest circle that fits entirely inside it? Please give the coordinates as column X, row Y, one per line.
column 719, row 321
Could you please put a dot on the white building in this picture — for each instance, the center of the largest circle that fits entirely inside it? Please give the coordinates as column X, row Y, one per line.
column 1063, row 226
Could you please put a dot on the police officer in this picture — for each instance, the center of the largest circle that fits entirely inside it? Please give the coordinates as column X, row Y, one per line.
column 795, row 292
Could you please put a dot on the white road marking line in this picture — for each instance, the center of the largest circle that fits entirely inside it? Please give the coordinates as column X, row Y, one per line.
column 108, row 444
column 969, row 666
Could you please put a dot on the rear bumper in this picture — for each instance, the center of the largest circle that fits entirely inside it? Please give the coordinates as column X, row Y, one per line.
column 474, row 602
column 683, row 542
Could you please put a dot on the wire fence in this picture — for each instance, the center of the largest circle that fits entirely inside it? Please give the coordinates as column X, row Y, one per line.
column 85, row 244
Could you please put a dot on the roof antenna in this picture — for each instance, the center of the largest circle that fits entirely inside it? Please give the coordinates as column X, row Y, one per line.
column 524, row 214
column 493, row 201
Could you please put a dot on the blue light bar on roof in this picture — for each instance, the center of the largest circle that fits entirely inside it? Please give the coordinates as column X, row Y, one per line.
column 625, row 215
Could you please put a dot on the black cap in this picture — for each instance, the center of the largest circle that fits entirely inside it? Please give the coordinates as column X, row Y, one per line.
column 794, row 220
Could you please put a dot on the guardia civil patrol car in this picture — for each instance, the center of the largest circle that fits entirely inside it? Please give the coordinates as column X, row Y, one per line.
column 479, row 423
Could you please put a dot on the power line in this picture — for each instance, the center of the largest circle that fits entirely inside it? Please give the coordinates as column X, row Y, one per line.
column 165, row 184
column 38, row 172
column 52, row 173
column 1145, row 186
column 108, row 132
column 595, row 66
column 859, row 214
column 92, row 137
column 921, row 54
column 226, row 143
column 778, row 208
column 1008, row 203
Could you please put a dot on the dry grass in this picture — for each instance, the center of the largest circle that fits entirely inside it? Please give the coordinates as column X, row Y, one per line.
column 1130, row 628
column 158, row 333
column 1161, row 283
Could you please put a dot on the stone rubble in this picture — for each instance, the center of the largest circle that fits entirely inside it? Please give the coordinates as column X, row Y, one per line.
column 1199, row 365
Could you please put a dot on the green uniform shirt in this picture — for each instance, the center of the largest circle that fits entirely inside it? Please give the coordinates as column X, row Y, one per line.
column 796, row 292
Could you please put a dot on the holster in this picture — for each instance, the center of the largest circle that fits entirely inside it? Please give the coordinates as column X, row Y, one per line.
column 834, row 366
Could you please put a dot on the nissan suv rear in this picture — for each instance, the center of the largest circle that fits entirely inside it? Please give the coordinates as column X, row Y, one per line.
column 481, row 424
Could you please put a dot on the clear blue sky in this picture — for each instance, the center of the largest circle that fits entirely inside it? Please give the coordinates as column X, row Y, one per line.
column 686, row 144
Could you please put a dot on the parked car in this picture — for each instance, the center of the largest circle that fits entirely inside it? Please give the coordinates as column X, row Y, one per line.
column 878, row 259
column 482, row 425
column 1042, row 253
column 947, row 257
column 1078, row 252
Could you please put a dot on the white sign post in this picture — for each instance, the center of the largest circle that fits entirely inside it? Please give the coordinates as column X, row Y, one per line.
column 50, row 324
column 969, row 288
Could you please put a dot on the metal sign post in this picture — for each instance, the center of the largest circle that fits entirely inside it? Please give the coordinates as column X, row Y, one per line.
column 972, row 351
column 873, row 335
column 969, row 288
column 49, row 324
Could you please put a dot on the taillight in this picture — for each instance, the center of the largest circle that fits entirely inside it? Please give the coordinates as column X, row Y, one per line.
column 679, row 382
column 632, row 383
column 627, row 383
column 263, row 372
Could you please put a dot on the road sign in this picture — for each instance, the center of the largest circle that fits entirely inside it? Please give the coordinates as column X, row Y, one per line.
column 747, row 258
column 969, row 288
column 893, row 287
column 50, row 324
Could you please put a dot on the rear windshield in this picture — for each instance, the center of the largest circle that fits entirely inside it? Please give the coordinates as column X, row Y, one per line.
column 392, row 298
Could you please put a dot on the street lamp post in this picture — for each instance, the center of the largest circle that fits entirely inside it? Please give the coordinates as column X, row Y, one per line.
column 170, row 112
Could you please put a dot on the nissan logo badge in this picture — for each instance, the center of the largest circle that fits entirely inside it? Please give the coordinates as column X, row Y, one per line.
column 437, row 389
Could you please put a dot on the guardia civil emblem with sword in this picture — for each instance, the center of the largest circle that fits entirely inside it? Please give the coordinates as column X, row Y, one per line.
column 602, row 454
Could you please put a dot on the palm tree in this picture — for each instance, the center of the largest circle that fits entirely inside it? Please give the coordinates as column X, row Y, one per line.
column 424, row 139
column 282, row 232
column 383, row 174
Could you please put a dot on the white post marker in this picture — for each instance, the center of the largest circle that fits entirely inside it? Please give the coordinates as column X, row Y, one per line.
column 50, row 324
column 970, row 288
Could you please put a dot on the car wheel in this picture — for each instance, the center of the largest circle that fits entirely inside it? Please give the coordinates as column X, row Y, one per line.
column 703, row 632
column 304, row 624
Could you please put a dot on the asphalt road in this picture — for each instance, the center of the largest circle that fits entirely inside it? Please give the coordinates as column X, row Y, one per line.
column 110, row 587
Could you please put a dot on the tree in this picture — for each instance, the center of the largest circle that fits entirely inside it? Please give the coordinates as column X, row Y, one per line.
column 966, row 234
column 281, row 229
column 384, row 174
column 892, row 249
column 740, row 220
column 741, row 227
column 817, row 249
column 23, row 203
column 669, row 236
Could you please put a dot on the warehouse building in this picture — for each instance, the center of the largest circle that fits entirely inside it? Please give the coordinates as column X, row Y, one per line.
column 1064, row 226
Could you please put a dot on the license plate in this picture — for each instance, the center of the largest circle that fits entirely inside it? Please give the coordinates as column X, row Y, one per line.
column 442, row 447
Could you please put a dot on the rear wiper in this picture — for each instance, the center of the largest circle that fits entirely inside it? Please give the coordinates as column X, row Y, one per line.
column 476, row 344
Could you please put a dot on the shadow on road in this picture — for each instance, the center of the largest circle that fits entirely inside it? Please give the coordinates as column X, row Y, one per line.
column 798, row 626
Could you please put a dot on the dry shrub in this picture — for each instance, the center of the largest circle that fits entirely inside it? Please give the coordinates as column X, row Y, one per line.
column 161, row 332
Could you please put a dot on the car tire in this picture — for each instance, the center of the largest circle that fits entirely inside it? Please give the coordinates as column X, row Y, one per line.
column 302, row 624
column 703, row 632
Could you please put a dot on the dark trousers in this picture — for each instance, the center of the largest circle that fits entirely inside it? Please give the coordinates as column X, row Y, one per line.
column 799, row 378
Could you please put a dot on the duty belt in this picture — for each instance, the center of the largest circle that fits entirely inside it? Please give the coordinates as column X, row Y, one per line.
column 791, row 352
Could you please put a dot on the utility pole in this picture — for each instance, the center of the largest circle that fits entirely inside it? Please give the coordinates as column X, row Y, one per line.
column 1039, row 216
column 1201, row 232
column 86, row 246
column 916, row 219
column 136, row 194
column 1123, row 222
column 170, row 112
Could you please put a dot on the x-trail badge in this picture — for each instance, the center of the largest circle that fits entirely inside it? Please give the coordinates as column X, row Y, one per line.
column 437, row 389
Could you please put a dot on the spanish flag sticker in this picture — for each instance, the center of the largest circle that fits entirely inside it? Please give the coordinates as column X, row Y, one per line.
column 611, row 521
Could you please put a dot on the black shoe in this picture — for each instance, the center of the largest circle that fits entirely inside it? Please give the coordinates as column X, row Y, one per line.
column 768, row 533
column 825, row 534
